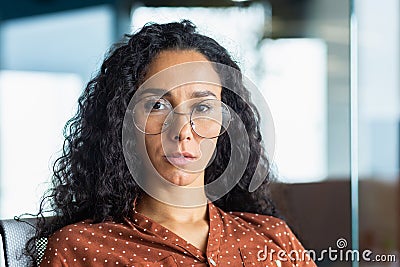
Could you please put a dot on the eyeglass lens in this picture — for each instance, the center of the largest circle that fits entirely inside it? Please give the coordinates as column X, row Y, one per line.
column 208, row 118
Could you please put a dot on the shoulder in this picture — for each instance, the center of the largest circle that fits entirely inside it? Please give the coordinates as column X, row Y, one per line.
column 265, row 225
column 69, row 232
column 259, row 220
column 81, row 239
column 273, row 229
column 85, row 232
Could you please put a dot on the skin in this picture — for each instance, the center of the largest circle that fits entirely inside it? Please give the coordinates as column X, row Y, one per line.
column 191, row 223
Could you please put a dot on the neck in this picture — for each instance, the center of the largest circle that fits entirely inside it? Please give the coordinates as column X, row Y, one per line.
column 162, row 212
column 172, row 195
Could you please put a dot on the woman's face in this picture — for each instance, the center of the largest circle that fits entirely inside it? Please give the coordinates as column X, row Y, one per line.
column 178, row 154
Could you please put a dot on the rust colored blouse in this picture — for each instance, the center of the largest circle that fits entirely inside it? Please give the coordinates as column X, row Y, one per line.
column 235, row 239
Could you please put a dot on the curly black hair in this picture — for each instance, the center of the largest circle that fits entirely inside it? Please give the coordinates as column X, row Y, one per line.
column 91, row 179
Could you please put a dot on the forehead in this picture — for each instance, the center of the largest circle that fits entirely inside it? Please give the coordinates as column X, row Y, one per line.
column 170, row 58
column 181, row 69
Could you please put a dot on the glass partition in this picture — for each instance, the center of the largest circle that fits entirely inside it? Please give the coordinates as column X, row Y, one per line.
column 378, row 138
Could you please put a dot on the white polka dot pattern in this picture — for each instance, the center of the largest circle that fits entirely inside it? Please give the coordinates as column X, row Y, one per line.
column 234, row 239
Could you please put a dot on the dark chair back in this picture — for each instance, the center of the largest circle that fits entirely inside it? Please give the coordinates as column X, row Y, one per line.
column 15, row 233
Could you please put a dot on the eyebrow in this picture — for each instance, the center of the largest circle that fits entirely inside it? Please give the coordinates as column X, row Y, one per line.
column 163, row 92
column 203, row 93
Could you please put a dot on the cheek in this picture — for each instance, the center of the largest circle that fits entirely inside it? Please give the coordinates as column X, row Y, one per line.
column 207, row 148
column 152, row 143
column 145, row 145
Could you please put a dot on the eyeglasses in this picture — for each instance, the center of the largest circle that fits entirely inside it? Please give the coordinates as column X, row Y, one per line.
column 209, row 118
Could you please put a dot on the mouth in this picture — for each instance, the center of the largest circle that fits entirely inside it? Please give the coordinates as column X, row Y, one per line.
column 180, row 158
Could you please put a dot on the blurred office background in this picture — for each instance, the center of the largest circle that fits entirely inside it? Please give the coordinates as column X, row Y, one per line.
column 329, row 70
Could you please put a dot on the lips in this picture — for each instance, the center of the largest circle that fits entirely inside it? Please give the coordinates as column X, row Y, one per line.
column 180, row 158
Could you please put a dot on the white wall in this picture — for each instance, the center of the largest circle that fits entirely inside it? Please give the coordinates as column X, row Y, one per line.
column 69, row 42
column 48, row 60
column 379, row 88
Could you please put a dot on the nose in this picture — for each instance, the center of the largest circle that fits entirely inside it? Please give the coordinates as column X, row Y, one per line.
column 181, row 129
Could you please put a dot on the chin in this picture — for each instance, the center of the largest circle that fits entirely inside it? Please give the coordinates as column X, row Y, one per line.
column 181, row 179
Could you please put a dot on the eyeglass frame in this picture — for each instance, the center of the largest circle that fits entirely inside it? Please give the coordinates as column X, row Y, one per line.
column 192, row 124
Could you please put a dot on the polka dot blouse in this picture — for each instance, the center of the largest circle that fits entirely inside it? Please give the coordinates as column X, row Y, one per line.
column 234, row 239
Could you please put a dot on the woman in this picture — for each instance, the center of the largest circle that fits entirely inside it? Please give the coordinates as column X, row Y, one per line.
column 155, row 128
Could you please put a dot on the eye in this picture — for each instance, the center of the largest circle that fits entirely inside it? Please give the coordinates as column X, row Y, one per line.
column 154, row 105
column 202, row 108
